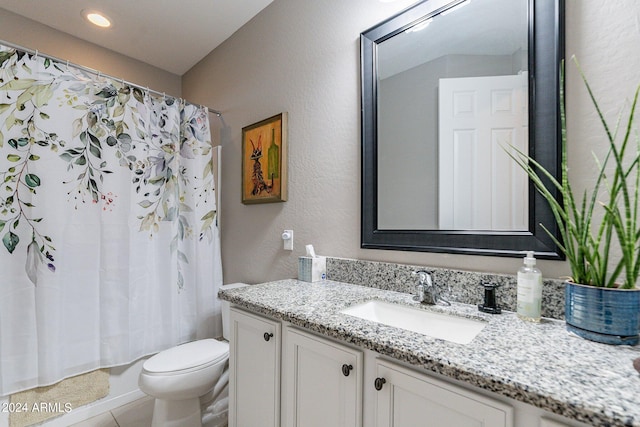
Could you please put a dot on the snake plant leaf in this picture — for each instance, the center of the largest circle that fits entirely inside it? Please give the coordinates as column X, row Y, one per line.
column 588, row 244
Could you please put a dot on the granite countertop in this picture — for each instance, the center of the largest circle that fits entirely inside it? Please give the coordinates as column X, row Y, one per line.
column 535, row 363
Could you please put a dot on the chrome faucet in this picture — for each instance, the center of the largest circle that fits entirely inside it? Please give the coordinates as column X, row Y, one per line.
column 426, row 291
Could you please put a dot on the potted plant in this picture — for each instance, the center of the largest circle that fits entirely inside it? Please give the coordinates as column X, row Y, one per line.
column 600, row 231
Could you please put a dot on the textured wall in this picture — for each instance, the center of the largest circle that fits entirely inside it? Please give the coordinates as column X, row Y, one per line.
column 33, row 35
column 303, row 57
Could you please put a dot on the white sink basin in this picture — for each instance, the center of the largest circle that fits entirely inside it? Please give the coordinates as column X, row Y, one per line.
column 456, row 329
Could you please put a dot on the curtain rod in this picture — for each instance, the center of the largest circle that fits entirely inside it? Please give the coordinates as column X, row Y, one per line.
column 98, row 73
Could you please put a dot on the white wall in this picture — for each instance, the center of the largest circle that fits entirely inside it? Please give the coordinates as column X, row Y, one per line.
column 604, row 36
column 303, row 57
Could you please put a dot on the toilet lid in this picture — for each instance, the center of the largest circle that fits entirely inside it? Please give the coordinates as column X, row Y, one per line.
column 187, row 356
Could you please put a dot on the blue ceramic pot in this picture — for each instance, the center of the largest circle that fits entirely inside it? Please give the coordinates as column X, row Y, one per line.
column 606, row 315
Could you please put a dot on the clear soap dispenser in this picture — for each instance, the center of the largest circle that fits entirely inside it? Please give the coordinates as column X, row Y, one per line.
column 529, row 290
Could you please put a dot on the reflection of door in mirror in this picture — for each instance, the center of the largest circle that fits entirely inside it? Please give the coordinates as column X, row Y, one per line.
column 482, row 188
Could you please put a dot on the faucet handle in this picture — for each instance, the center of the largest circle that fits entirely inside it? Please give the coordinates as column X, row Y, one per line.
column 427, row 293
column 424, row 277
column 490, row 305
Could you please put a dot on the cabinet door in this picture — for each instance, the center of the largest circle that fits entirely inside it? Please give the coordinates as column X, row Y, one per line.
column 407, row 399
column 322, row 382
column 254, row 371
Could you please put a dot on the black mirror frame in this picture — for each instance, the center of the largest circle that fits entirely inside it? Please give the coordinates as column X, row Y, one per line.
column 546, row 54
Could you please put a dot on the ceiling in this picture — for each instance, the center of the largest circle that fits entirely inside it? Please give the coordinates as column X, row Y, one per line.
column 497, row 27
column 170, row 34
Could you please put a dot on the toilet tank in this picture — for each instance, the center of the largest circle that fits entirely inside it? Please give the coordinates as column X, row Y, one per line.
column 225, row 309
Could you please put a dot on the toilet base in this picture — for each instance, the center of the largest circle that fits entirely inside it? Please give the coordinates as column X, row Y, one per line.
column 177, row 413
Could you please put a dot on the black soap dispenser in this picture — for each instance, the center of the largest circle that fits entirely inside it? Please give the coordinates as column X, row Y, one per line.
column 490, row 305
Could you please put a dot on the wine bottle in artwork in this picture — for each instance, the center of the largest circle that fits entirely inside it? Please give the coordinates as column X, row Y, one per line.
column 273, row 158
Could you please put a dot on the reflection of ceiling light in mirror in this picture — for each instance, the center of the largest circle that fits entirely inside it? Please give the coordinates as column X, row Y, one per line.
column 421, row 26
column 456, row 7
column 97, row 18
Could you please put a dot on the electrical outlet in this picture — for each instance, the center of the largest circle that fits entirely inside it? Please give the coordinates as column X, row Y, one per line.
column 287, row 237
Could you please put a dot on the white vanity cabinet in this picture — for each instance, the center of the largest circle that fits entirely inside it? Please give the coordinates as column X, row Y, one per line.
column 321, row 382
column 254, row 370
column 406, row 398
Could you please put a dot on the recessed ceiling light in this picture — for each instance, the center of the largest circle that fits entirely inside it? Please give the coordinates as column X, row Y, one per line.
column 421, row 26
column 97, row 18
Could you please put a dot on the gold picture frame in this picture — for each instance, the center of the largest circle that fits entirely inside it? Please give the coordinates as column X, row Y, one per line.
column 264, row 161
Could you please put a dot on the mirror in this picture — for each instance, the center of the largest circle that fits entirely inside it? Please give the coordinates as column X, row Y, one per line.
column 448, row 87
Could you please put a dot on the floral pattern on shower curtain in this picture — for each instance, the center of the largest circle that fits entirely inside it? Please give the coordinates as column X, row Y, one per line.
column 109, row 243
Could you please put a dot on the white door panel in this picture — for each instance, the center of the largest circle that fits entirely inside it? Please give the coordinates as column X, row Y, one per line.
column 480, row 186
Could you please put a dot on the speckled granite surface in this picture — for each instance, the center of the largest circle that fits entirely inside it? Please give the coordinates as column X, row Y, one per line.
column 539, row 364
column 455, row 285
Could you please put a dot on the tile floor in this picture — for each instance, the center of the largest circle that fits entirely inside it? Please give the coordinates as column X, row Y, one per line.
column 134, row 414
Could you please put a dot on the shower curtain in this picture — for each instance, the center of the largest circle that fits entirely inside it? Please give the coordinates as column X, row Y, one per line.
column 110, row 246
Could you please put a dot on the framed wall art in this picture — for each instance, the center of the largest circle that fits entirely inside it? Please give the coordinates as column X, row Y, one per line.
column 264, row 161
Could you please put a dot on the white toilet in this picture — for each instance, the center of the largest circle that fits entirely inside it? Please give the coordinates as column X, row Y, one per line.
column 178, row 377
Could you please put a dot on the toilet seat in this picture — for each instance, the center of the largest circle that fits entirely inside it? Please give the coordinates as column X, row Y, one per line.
column 189, row 357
